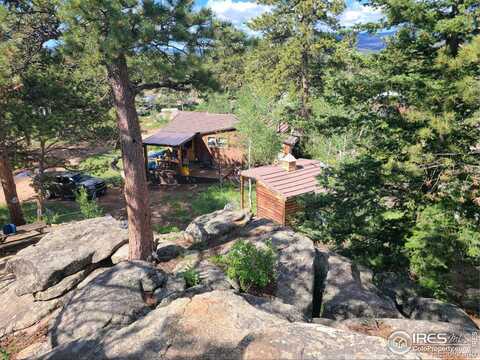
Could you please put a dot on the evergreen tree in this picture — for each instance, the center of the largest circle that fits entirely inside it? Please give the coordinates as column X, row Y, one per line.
column 24, row 28
column 409, row 197
column 301, row 34
column 142, row 45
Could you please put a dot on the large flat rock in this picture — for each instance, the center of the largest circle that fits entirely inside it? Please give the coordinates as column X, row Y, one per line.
column 19, row 312
column 384, row 327
column 208, row 228
column 221, row 325
column 310, row 341
column 65, row 251
column 421, row 308
column 114, row 298
column 209, row 325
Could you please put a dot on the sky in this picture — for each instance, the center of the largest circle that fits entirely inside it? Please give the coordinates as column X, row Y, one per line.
column 239, row 12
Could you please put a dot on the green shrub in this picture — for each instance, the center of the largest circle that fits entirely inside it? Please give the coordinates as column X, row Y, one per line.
column 249, row 265
column 4, row 354
column 191, row 277
column 440, row 240
column 88, row 207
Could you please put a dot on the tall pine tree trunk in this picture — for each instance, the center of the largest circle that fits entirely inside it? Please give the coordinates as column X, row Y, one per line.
column 9, row 188
column 136, row 191
column 41, row 171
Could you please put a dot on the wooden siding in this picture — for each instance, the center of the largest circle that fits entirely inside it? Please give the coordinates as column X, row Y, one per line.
column 270, row 205
column 231, row 154
column 291, row 209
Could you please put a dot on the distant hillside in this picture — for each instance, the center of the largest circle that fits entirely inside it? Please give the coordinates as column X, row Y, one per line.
column 373, row 42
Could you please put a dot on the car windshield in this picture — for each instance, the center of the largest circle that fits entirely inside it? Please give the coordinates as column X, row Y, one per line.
column 80, row 177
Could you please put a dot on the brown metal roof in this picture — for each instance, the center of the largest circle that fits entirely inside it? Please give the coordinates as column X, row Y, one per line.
column 288, row 184
column 165, row 138
column 200, row 122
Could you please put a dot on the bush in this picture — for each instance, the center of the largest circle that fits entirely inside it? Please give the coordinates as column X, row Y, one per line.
column 4, row 355
column 440, row 240
column 88, row 207
column 191, row 277
column 250, row 266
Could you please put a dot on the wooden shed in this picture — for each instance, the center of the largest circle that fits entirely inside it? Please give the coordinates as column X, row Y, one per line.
column 279, row 186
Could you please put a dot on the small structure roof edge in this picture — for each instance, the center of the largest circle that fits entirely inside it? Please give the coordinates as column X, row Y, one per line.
column 288, row 183
column 166, row 138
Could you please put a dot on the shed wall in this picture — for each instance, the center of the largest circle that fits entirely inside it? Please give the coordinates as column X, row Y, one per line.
column 270, row 205
column 291, row 209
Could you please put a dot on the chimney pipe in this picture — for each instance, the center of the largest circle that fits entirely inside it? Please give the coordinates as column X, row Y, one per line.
column 289, row 163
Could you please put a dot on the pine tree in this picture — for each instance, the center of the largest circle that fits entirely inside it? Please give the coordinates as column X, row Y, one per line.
column 417, row 106
column 24, row 27
column 301, row 34
column 142, row 45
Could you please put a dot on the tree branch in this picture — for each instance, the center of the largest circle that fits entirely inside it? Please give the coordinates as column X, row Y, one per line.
column 167, row 84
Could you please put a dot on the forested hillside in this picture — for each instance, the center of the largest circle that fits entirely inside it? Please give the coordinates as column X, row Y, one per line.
column 398, row 127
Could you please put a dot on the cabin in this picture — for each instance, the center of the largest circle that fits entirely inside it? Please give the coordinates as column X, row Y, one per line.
column 279, row 186
column 195, row 144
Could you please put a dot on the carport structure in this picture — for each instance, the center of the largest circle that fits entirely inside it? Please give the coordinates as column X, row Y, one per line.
column 174, row 140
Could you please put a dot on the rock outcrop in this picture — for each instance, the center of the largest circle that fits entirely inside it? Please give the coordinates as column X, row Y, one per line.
column 471, row 300
column 65, row 285
column 213, row 226
column 310, row 341
column 295, row 263
column 116, row 297
column 350, row 293
column 20, row 312
column 120, row 255
column 221, row 325
column 406, row 294
column 65, row 251
column 168, row 250
column 134, row 310
column 384, row 327
column 420, row 308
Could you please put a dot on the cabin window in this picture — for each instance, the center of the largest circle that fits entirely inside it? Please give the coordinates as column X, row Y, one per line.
column 217, row 142
column 222, row 142
column 212, row 141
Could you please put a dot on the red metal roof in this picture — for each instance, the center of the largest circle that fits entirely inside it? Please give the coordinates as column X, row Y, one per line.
column 200, row 122
column 165, row 138
column 288, row 184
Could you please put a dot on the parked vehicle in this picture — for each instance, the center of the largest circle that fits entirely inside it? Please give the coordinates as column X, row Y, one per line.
column 67, row 184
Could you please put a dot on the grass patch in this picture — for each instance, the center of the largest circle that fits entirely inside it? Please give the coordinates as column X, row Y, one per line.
column 100, row 165
column 180, row 211
column 152, row 121
column 165, row 229
column 55, row 212
column 216, row 197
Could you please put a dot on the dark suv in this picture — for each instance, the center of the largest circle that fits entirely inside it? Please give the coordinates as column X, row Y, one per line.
column 67, row 184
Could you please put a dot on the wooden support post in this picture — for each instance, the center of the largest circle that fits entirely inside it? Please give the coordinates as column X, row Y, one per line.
column 242, row 192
